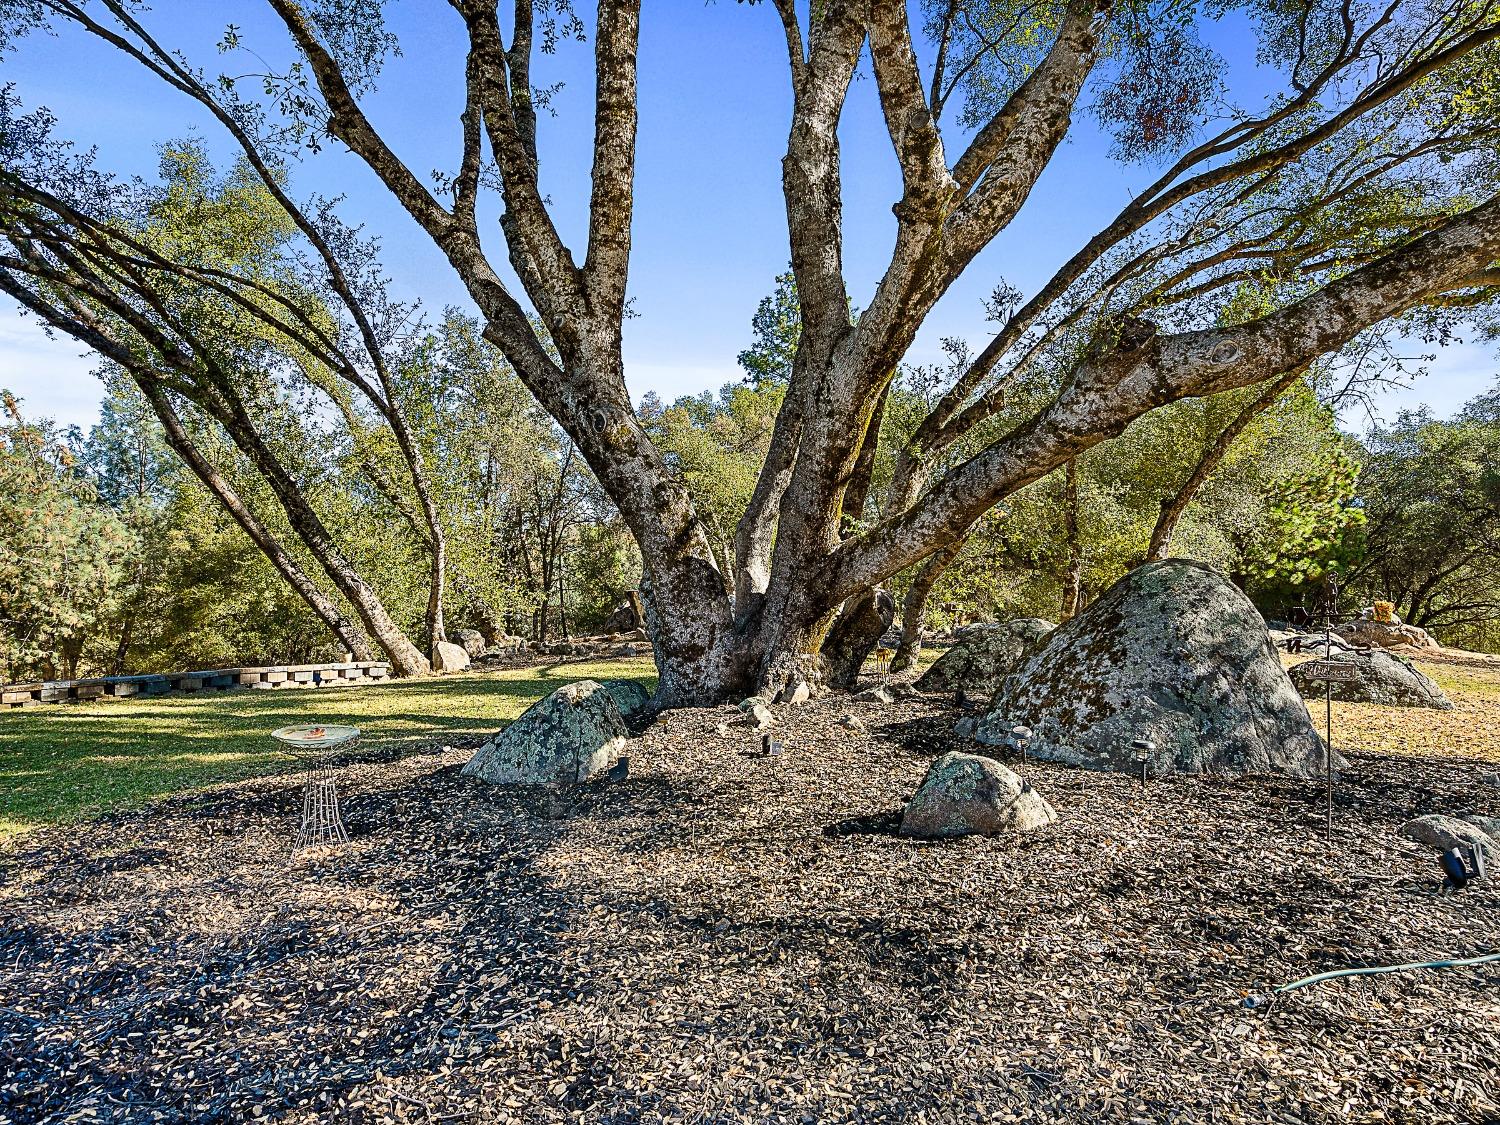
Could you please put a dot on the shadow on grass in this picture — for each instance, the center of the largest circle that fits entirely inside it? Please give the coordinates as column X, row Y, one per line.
column 70, row 760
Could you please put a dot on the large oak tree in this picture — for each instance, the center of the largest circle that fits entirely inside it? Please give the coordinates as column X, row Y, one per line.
column 1367, row 188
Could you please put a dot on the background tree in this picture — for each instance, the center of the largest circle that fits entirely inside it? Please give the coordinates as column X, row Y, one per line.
column 1430, row 491
column 63, row 557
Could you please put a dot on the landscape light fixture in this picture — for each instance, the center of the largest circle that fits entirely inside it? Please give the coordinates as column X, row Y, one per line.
column 770, row 747
column 1019, row 739
column 1143, row 750
column 1461, row 866
column 620, row 770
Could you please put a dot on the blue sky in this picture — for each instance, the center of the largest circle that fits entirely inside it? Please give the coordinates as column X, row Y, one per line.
column 709, row 232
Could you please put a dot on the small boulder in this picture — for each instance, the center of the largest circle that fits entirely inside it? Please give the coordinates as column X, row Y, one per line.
column 854, row 723
column 1379, row 678
column 570, row 736
column 1175, row 654
column 626, row 615
column 1382, row 635
column 449, row 657
column 756, row 713
column 966, row 794
column 630, row 696
column 470, row 640
column 881, row 694
column 1447, row 832
column 798, row 692
column 983, row 656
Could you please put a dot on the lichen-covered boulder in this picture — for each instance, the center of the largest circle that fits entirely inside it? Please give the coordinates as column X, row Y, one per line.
column 1448, row 832
column 983, row 656
column 449, row 657
column 1379, row 678
column 630, row 697
column 1173, row 654
column 965, row 794
column 570, row 736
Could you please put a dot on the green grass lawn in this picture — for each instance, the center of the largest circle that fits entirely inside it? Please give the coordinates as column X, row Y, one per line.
column 65, row 761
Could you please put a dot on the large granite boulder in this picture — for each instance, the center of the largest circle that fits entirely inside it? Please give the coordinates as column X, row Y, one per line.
column 1173, row 654
column 570, row 736
column 630, row 696
column 1379, row 678
column 449, row 657
column 983, row 656
column 1378, row 634
column 966, row 794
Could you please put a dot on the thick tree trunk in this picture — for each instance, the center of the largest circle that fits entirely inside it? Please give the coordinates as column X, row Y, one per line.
column 406, row 659
column 347, row 633
column 914, row 606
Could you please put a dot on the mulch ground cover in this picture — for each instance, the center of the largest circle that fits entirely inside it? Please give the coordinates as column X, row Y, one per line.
column 729, row 938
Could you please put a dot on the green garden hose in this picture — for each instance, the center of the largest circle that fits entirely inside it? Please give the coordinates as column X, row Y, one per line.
column 1372, row 970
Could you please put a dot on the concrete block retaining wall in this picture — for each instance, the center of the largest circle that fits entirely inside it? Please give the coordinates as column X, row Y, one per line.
column 217, row 679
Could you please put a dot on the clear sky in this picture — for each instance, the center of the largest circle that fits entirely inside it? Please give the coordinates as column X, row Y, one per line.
column 709, row 231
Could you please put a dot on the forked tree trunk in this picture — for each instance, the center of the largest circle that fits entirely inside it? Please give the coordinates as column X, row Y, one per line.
column 427, row 527
column 857, row 630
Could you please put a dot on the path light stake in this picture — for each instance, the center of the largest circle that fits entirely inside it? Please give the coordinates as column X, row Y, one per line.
column 1461, row 866
column 1020, row 738
column 1143, row 751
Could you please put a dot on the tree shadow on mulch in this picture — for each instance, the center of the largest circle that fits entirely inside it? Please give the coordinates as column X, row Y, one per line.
column 886, row 823
column 157, row 1012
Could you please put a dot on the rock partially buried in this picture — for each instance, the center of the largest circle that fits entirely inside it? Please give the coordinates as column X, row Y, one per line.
column 983, row 656
column 756, row 713
column 1446, row 832
column 630, row 697
column 965, row 794
column 570, row 736
column 1379, row 678
column 1173, row 654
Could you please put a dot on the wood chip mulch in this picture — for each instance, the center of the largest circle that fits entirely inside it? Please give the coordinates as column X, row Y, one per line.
column 729, row 938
